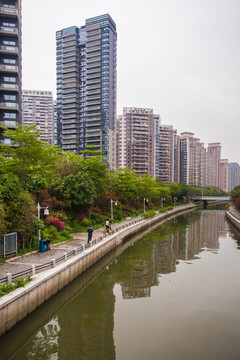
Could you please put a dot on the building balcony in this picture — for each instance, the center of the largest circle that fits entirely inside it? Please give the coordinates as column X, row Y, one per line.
column 72, row 55
column 69, row 132
column 70, row 106
column 73, row 101
column 93, row 76
column 92, row 87
column 8, row 50
column 9, row 68
column 9, row 106
column 69, row 112
column 8, row 142
column 9, row 12
column 93, row 60
column 89, row 82
column 4, row 30
column 9, row 87
column 8, row 124
column 93, row 68
column 70, row 85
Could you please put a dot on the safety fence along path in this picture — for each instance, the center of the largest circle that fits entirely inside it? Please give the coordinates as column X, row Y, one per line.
column 36, row 262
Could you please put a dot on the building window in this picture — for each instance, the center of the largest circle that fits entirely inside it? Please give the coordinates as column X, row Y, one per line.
column 9, row 3
column 10, row 116
column 10, row 97
column 9, row 79
column 9, row 61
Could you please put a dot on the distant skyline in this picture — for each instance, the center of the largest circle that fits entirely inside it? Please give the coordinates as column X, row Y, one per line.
column 179, row 57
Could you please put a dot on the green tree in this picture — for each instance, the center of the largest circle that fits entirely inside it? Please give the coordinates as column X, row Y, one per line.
column 10, row 187
column 2, row 221
column 179, row 191
column 147, row 187
column 77, row 190
column 21, row 217
column 28, row 156
column 125, row 185
column 98, row 173
column 235, row 196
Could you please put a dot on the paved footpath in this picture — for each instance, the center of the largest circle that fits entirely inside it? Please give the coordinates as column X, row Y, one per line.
column 25, row 262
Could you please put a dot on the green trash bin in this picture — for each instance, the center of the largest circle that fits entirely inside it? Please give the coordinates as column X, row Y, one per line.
column 42, row 245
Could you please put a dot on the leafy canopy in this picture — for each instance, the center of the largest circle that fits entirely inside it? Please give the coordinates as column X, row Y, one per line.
column 28, row 155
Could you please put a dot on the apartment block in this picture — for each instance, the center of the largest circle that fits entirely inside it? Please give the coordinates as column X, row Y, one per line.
column 10, row 65
column 234, row 175
column 224, row 175
column 169, row 155
column 38, row 109
column 137, row 144
column 214, row 149
column 86, row 87
column 195, row 162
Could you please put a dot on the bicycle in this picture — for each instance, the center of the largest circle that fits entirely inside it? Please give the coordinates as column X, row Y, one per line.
column 106, row 229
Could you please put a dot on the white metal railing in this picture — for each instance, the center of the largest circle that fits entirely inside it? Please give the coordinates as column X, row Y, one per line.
column 38, row 268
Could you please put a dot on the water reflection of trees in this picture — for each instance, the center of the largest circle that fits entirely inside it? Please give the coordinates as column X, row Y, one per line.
column 83, row 329
column 45, row 344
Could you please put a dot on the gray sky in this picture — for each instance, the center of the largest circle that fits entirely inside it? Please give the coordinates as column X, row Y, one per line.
column 179, row 57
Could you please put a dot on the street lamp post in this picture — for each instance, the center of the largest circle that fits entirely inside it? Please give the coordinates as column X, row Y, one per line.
column 46, row 212
column 144, row 201
column 115, row 203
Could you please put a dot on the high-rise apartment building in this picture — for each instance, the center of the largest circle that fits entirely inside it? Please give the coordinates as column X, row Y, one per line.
column 234, row 175
column 224, row 175
column 195, row 162
column 169, row 154
column 37, row 109
column 137, row 144
column 86, row 87
column 214, row 149
column 10, row 65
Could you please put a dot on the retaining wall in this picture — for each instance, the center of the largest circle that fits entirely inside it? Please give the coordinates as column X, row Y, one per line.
column 234, row 219
column 21, row 302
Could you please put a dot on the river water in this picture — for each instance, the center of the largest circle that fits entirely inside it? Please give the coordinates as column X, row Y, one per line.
column 169, row 293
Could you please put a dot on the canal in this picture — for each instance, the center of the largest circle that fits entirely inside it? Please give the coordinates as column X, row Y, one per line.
column 172, row 292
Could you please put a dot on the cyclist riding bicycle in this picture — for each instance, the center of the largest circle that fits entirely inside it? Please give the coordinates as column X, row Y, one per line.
column 107, row 226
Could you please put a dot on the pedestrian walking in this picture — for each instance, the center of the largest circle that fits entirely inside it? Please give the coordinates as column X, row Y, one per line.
column 90, row 232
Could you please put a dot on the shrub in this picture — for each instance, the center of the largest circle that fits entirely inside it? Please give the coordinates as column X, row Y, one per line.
column 55, row 222
column 20, row 282
column 118, row 215
column 149, row 214
column 85, row 222
column 97, row 218
column 50, row 232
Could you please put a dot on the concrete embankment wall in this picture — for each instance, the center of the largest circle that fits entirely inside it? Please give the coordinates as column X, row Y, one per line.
column 18, row 304
column 234, row 218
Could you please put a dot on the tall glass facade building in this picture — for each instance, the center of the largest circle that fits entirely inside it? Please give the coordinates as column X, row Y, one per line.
column 86, row 87
column 10, row 65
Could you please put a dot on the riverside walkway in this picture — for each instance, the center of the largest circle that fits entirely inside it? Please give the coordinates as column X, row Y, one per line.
column 36, row 261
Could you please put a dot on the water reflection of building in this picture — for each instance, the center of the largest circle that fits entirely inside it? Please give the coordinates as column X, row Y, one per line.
column 201, row 232
column 91, row 327
column 83, row 328
column 141, row 280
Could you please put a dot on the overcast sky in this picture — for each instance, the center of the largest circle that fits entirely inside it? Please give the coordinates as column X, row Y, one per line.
column 179, row 57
